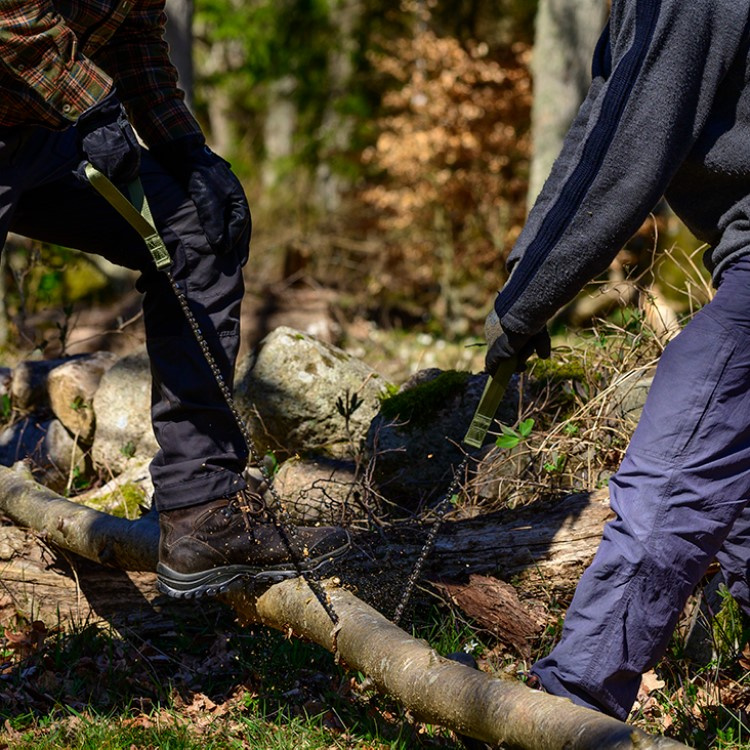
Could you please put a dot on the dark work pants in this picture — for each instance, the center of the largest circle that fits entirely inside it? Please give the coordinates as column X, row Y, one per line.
column 680, row 499
column 202, row 453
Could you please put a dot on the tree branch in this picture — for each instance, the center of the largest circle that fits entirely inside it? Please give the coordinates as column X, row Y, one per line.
column 435, row 689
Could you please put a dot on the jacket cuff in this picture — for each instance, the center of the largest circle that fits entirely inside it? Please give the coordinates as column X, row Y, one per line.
column 167, row 122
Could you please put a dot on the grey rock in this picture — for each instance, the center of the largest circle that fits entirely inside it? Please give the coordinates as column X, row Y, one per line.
column 116, row 495
column 52, row 453
column 122, row 405
column 320, row 490
column 289, row 388
column 71, row 388
column 628, row 397
column 28, row 389
column 414, row 457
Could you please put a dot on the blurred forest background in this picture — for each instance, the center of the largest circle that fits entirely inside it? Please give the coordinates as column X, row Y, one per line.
column 390, row 152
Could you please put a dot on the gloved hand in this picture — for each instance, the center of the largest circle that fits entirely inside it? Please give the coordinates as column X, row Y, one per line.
column 502, row 344
column 218, row 195
column 107, row 140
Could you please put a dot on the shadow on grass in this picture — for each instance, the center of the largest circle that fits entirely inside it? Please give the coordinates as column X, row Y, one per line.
column 172, row 665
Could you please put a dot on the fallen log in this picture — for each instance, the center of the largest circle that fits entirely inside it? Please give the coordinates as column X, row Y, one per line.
column 438, row 690
column 543, row 549
column 43, row 582
column 435, row 689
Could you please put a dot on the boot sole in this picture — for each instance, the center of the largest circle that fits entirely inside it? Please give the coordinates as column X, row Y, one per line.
column 220, row 580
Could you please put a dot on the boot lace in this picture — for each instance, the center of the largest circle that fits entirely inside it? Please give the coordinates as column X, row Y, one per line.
column 251, row 505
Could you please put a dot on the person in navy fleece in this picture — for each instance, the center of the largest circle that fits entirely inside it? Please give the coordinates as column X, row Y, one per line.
column 667, row 114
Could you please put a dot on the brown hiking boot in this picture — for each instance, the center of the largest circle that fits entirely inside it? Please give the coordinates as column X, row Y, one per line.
column 203, row 549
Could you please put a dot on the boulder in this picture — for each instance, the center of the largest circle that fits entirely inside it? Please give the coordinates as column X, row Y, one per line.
column 295, row 392
column 28, row 389
column 416, row 441
column 71, row 388
column 628, row 396
column 126, row 495
column 55, row 457
column 320, row 490
column 122, row 405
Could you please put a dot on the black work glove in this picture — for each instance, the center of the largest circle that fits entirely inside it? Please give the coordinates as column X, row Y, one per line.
column 218, row 196
column 503, row 344
column 108, row 141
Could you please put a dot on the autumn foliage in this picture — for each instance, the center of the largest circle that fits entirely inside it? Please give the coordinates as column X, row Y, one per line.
column 451, row 162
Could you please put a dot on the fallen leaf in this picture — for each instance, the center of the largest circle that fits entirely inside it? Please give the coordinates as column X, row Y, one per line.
column 651, row 681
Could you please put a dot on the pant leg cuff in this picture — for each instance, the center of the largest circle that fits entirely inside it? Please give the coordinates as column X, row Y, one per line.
column 554, row 684
column 196, row 491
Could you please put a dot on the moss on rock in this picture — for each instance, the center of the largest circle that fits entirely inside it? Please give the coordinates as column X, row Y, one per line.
column 419, row 404
column 555, row 371
column 125, row 502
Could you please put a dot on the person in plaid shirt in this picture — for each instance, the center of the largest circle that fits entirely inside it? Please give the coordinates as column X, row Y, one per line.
column 77, row 79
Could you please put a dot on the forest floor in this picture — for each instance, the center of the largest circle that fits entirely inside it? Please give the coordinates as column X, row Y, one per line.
column 200, row 681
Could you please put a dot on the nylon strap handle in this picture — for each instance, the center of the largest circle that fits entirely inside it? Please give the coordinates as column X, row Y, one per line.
column 135, row 211
column 493, row 393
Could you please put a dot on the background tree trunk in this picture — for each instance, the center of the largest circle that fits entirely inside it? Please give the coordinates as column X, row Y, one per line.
column 565, row 37
column 179, row 35
column 337, row 127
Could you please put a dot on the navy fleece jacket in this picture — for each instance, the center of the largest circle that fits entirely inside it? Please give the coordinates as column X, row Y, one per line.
column 668, row 113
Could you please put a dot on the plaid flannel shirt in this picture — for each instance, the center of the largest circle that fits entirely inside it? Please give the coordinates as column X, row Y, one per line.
column 60, row 57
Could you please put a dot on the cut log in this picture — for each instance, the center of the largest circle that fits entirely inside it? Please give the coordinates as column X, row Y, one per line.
column 435, row 689
column 41, row 582
column 438, row 690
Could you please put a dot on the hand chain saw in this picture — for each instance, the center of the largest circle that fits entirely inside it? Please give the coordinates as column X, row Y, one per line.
column 136, row 211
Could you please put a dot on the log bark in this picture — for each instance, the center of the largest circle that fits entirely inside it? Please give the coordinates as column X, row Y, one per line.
column 433, row 688
column 42, row 582
column 565, row 37
column 438, row 690
column 99, row 537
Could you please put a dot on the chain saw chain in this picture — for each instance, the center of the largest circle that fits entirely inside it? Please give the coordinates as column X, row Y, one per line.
column 136, row 211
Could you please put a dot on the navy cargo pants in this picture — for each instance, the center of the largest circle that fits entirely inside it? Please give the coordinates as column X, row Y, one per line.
column 202, row 453
column 680, row 499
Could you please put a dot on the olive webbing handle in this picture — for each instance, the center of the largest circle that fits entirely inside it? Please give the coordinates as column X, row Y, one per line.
column 135, row 211
column 493, row 393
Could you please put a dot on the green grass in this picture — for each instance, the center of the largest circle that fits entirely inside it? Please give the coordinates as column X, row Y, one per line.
column 200, row 681
column 91, row 732
column 95, row 732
